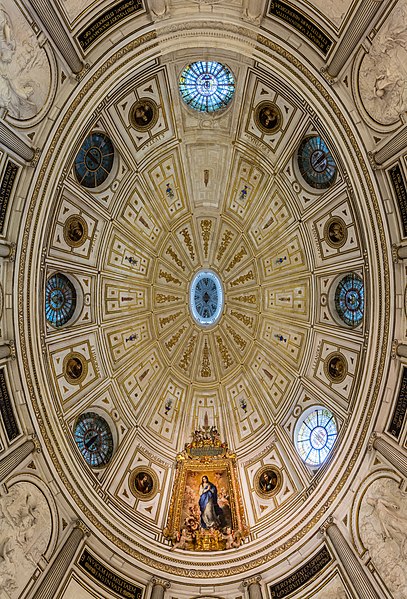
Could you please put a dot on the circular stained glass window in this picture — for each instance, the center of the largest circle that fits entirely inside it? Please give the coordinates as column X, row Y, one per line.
column 94, row 160
column 350, row 299
column 316, row 163
column 206, row 297
column 60, row 300
column 206, row 86
column 315, row 435
column 94, row 439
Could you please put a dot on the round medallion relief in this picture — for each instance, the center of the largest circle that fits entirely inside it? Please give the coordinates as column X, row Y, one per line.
column 75, row 231
column 143, row 482
column 335, row 232
column 144, row 114
column 336, row 367
column 267, row 481
column 267, row 117
column 75, row 368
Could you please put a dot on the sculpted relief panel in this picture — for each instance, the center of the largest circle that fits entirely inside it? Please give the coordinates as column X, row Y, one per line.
column 24, row 70
column 383, row 71
column 25, row 531
column 382, row 526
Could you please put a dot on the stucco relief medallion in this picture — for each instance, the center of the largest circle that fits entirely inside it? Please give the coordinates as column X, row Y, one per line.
column 336, row 367
column 144, row 114
column 383, row 71
column 267, row 481
column 335, row 232
column 24, row 70
column 267, row 117
column 75, row 368
column 382, row 528
column 143, row 483
column 75, row 231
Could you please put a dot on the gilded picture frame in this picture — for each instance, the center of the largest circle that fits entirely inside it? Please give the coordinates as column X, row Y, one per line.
column 206, row 510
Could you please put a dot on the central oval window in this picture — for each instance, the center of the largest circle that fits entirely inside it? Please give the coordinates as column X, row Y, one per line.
column 206, row 298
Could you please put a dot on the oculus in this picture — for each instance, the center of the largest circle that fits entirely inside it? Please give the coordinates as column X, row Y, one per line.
column 75, row 368
column 143, row 482
column 206, row 86
column 267, row 481
column 60, row 300
column 267, row 117
column 316, row 163
column 206, row 298
column 335, row 232
column 144, row 114
column 315, row 435
column 336, row 367
column 94, row 160
column 75, row 231
column 350, row 299
column 94, row 438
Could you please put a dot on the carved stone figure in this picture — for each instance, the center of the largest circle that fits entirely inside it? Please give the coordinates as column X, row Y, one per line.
column 333, row 590
column 383, row 525
column 383, row 72
column 24, row 69
column 25, row 531
column 159, row 9
column 253, row 10
column 75, row 7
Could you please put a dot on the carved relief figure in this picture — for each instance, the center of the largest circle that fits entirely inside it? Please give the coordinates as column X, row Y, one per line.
column 25, row 531
column 383, row 526
column 383, row 72
column 24, row 70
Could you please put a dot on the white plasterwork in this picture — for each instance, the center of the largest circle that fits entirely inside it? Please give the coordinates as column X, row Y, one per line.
column 383, row 72
column 333, row 590
column 75, row 7
column 24, row 70
column 334, row 10
column 25, row 531
column 383, row 526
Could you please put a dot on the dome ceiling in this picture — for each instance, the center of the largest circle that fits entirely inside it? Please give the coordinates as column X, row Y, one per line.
column 184, row 193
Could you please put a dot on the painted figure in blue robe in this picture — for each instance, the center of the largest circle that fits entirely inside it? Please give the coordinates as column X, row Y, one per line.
column 211, row 513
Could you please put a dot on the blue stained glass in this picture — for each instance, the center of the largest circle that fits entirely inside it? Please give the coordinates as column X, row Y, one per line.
column 316, row 435
column 206, row 297
column 350, row 299
column 94, row 160
column 316, row 163
column 206, row 86
column 94, row 438
column 60, row 300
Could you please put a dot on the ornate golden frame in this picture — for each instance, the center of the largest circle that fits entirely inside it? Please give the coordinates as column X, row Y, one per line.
column 187, row 463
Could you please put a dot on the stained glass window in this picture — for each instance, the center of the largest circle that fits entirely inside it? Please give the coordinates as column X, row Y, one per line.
column 206, row 297
column 60, row 300
column 94, row 160
column 94, row 439
column 315, row 435
column 206, row 86
column 350, row 299
column 316, row 163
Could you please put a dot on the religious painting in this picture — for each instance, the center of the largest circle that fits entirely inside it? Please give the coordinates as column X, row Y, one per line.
column 144, row 114
column 268, row 117
column 143, row 482
column 206, row 511
column 267, row 481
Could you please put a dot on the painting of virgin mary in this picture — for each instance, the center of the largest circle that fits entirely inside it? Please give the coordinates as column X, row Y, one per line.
column 211, row 513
